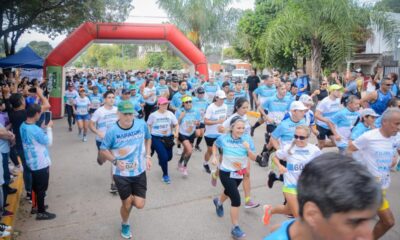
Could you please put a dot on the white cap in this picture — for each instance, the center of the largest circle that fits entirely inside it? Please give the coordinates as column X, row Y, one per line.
column 306, row 99
column 297, row 105
column 220, row 94
column 368, row 112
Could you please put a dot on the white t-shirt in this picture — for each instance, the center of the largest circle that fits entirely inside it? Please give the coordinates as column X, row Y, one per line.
column 247, row 126
column 161, row 123
column 328, row 108
column 215, row 113
column 150, row 100
column 376, row 152
column 82, row 105
column 296, row 161
column 70, row 97
column 104, row 119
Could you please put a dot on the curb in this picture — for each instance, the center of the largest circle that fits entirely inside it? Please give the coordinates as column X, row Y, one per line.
column 13, row 200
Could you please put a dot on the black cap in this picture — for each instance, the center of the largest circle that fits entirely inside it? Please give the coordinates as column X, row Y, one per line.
column 200, row 90
column 125, row 91
column 224, row 84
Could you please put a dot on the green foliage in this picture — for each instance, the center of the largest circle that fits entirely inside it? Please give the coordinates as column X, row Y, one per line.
column 155, row 60
column 388, row 5
column 203, row 21
column 42, row 48
column 230, row 53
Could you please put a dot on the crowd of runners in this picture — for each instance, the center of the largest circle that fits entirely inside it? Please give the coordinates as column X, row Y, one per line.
column 140, row 116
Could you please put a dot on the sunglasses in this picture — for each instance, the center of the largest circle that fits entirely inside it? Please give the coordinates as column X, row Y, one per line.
column 388, row 85
column 299, row 137
column 127, row 114
column 188, row 102
column 324, row 84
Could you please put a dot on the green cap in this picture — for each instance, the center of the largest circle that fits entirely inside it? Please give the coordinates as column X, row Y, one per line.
column 335, row 87
column 126, row 106
column 132, row 87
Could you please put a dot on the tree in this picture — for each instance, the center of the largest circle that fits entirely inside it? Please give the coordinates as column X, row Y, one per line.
column 322, row 24
column 389, row 5
column 203, row 21
column 42, row 48
column 54, row 17
column 230, row 53
column 155, row 59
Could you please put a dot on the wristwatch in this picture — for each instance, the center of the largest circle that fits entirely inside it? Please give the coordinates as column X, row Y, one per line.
column 114, row 162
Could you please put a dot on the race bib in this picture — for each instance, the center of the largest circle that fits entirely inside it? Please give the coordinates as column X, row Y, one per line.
column 235, row 175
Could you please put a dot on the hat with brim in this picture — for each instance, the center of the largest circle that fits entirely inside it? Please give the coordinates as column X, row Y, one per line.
column 297, row 105
column 335, row 87
column 186, row 99
column 306, row 99
column 220, row 94
column 368, row 112
column 162, row 100
column 126, row 106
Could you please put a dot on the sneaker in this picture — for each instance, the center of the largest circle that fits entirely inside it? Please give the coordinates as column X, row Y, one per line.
column 166, row 179
column 45, row 216
column 180, row 167
column 179, row 151
column 251, row 204
column 237, row 233
column 4, row 234
column 29, row 197
column 271, row 179
column 70, row 129
column 214, row 179
column 266, row 214
column 11, row 190
column 262, row 160
column 84, row 139
column 252, row 131
column 197, row 148
column 185, row 171
column 126, row 231
column 4, row 227
column 207, row 168
column 218, row 207
column 113, row 188
column 7, row 213
column 34, row 209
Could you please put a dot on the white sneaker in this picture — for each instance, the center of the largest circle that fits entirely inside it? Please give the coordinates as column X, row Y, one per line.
column 84, row 139
column 5, row 234
column 179, row 151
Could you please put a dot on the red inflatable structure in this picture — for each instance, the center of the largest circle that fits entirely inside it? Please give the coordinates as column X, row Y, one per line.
column 89, row 33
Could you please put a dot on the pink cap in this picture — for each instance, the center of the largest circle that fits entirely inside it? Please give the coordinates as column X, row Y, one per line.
column 162, row 100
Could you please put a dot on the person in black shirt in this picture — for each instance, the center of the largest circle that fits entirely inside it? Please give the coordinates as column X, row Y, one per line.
column 252, row 83
column 322, row 92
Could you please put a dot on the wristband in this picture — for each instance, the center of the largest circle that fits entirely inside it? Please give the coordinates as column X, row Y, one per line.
column 114, row 162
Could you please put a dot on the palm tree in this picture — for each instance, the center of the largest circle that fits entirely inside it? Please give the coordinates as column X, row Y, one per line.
column 204, row 21
column 322, row 24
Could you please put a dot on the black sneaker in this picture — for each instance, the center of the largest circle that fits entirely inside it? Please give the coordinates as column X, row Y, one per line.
column 265, row 158
column 271, row 179
column 11, row 190
column 45, row 216
column 260, row 161
column 207, row 168
column 113, row 188
column 197, row 148
column 252, row 131
column 34, row 209
column 4, row 227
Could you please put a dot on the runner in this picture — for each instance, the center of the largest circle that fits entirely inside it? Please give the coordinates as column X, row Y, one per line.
column 210, row 89
column 328, row 107
column 200, row 104
column 297, row 155
column 230, row 102
column 343, row 212
column 376, row 150
column 163, row 127
column 216, row 114
column 239, row 91
column 150, row 98
column 127, row 146
column 366, row 123
column 177, row 98
column 379, row 99
column 162, row 88
column 188, row 119
column 70, row 95
column 343, row 121
column 81, row 111
column 322, row 92
column 96, row 100
column 236, row 148
column 102, row 119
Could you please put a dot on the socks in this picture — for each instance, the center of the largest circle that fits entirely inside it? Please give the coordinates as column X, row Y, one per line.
column 247, row 199
column 256, row 125
column 198, row 141
column 186, row 160
column 181, row 159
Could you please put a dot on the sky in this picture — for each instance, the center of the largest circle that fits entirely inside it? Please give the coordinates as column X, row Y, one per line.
column 142, row 8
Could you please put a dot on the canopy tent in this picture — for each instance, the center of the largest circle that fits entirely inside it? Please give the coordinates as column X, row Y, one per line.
column 25, row 58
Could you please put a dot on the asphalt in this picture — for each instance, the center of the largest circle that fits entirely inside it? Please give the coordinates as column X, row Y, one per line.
column 78, row 194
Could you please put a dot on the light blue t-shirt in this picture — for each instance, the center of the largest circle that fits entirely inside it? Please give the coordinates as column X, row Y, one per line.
column 241, row 93
column 359, row 130
column 162, row 90
column 176, row 101
column 285, row 131
column 344, row 121
column 200, row 105
column 282, row 233
column 195, row 82
column 4, row 144
column 128, row 145
column 263, row 92
column 137, row 99
column 35, row 142
column 234, row 154
column 118, row 84
column 95, row 100
column 187, row 125
column 210, row 90
column 231, row 105
column 277, row 107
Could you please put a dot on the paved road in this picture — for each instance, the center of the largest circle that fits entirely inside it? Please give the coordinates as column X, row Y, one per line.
column 183, row 210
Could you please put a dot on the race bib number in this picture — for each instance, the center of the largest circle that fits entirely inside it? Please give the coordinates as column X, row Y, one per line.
column 235, row 175
column 82, row 111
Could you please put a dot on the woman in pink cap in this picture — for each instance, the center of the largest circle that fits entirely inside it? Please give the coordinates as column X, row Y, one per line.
column 163, row 127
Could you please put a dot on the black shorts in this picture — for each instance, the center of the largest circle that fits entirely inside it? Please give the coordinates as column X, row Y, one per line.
column 323, row 133
column 201, row 126
column 92, row 110
column 210, row 141
column 127, row 186
column 191, row 138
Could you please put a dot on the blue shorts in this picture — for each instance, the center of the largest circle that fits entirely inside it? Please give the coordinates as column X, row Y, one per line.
column 85, row 117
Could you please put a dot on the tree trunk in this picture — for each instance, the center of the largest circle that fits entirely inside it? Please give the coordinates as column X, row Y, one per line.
column 316, row 53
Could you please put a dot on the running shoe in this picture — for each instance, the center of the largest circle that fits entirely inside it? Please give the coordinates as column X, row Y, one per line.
column 251, row 204
column 267, row 214
column 11, row 190
column 214, row 179
column 70, row 129
column 29, row 197
column 237, row 233
column 271, row 179
column 84, row 139
column 197, row 148
column 179, row 151
column 185, row 171
column 166, row 179
column 207, row 168
column 113, row 188
column 252, row 131
column 7, row 213
column 34, row 210
column 219, row 209
column 45, row 216
column 126, row 231
column 4, row 234
column 4, row 227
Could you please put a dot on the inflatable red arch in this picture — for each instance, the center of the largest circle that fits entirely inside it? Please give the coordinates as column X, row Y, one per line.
column 90, row 32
